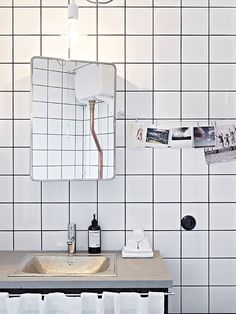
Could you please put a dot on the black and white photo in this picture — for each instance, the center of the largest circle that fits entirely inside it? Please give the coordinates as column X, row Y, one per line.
column 157, row 137
column 181, row 137
column 204, row 136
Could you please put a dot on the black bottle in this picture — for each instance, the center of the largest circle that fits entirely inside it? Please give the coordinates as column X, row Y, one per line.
column 94, row 237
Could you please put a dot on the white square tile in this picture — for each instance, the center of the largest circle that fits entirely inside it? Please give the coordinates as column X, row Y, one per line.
column 110, row 21
column 223, row 299
column 195, row 105
column 174, row 303
column 167, row 76
column 22, row 133
column 193, row 162
column 223, row 21
column 26, row 21
column 54, row 46
column 26, row 190
column 140, row 3
column 216, row 184
column 195, row 3
column 6, row 48
column 222, row 105
column 139, row 216
column 27, row 240
column 115, row 53
column 139, row 104
column 27, row 217
column 166, row 49
column 166, row 161
column 139, row 21
column 6, row 72
column 195, row 244
column 87, row 25
column 106, row 190
column 6, row 192
column 195, row 77
column 195, row 188
column 26, row 3
column 6, row 105
column 6, row 20
column 112, row 240
column 168, row 242
column 221, row 3
column 22, row 105
column 192, row 296
column 199, row 276
column 166, row 2
column 6, row 3
column 31, row 46
column 195, row 49
column 223, row 168
column 52, row 2
column 167, row 217
column 173, row 266
column 139, row 162
column 55, row 216
column 199, row 212
column 82, row 244
column 55, row 192
column 219, row 217
column 6, row 161
column 22, row 77
column 54, row 241
column 195, row 21
column 6, row 217
column 120, row 78
column 6, row 241
column 106, row 215
column 83, row 191
column 54, row 21
column 167, row 105
column 223, row 244
column 138, row 49
column 223, row 76
column 120, row 161
column 120, row 133
column 167, row 21
column 82, row 215
column 167, row 189
column 218, row 276
column 223, row 49
column 139, row 76
column 139, row 189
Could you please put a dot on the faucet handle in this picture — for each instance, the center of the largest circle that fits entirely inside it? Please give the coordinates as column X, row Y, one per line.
column 71, row 231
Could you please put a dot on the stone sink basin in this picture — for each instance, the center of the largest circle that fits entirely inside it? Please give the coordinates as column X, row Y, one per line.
column 64, row 265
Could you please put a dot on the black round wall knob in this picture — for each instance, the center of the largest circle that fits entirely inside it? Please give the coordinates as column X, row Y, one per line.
column 188, row 222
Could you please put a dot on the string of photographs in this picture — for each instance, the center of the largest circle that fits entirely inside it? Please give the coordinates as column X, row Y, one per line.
column 219, row 141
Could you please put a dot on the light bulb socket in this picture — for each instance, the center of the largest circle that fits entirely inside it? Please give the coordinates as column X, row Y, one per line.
column 73, row 11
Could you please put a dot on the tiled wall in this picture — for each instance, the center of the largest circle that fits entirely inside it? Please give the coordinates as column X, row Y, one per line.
column 176, row 61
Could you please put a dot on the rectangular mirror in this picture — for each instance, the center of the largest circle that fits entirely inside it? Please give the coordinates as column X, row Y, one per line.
column 72, row 120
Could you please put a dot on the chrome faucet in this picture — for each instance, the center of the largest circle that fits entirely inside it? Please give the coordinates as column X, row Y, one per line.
column 71, row 242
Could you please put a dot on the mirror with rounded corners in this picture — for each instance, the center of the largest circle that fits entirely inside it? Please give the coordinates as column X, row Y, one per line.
column 72, row 120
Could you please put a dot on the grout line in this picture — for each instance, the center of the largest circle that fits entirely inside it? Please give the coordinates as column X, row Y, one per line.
column 13, row 126
column 181, row 155
column 125, row 113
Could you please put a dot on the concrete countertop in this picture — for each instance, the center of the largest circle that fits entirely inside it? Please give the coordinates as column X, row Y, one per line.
column 131, row 273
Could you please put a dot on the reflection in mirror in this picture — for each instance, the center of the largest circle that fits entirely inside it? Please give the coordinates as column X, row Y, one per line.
column 73, row 120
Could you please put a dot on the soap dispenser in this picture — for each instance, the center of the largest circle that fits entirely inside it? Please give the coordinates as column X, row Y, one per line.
column 94, row 237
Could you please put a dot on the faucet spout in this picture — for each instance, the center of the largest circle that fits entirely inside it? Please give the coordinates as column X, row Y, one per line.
column 71, row 242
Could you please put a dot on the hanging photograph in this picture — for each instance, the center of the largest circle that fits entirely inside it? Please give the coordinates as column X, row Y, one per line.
column 157, row 137
column 136, row 135
column 181, row 137
column 225, row 150
column 204, row 136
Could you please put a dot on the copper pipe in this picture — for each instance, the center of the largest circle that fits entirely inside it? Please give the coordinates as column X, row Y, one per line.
column 99, row 148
